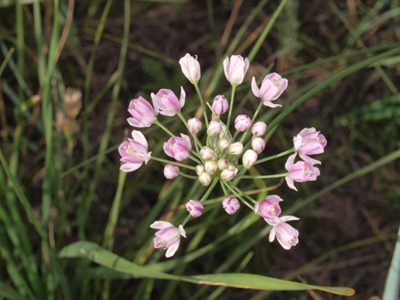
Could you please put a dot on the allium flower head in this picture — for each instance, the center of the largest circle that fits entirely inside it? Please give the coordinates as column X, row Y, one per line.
column 286, row 235
column 300, row 172
column 190, row 68
column 195, row 208
column 235, row 69
column 166, row 103
column 168, row 237
column 177, row 147
column 231, row 205
column 220, row 105
column 134, row 152
column 309, row 142
column 143, row 115
column 171, row 171
column 242, row 123
column 272, row 86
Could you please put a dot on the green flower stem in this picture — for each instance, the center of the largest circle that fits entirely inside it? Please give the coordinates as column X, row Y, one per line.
column 163, row 127
column 241, row 192
column 263, row 176
column 172, row 163
column 194, row 158
column 235, row 136
column 202, row 103
column 275, row 156
column 196, row 141
column 252, row 120
column 224, row 188
column 237, row 195
column 188, row 176
column 204, row 198
column 230, row 110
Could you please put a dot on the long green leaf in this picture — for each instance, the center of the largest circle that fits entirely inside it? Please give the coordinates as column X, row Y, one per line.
column 105, row 258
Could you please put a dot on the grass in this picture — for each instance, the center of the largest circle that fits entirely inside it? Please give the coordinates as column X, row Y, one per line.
column 72, row 226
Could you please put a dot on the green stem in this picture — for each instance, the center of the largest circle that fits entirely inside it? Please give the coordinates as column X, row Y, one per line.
column 241, row 192
column 188, row 176
column 204, row 198
column 172, row 163
column 252, row 121
column 263, row 176
column 237, row 195
column 275, row 156
column 230, row 110
column 164, row 128
column 202, row 103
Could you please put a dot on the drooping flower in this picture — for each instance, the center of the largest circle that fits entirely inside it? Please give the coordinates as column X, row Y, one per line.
column 194, row 125
column 309, row 142
column 272, row 86
column 231, row 205
column 177, row 147
column 195, row 208
column 242, row 123
column 190, row 68
column 270, row 209
column 235, row 69
column 134, row 152
column 143, row 115
column 166, row 103
column 249, row 158
column 286, row 235
column 301, row 171
column 259, row 128
column 168, row 237
column 258, row 144
column 171, row 171
column 220, row 105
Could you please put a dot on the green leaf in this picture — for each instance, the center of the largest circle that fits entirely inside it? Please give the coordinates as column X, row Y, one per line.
column 9, row 293
column 105, row 258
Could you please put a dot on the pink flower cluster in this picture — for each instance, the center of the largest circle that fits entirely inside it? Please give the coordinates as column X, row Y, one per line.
column 218, row 155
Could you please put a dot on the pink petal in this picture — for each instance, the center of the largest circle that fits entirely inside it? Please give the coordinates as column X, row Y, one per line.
column 161, row 225
column 290, row 183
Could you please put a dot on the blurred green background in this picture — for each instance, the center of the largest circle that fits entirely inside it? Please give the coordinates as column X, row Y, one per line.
column 347, row 224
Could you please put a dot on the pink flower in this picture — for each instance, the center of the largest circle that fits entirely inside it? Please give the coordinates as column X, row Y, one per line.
column 166, row 103
column 272, row 87
column 190, row 68
column 134, row 152
column 286, row 235
column 195, row 208
column 142, row 112
column 168, row 236
column 258, row 144
column 231, row 205
column 194, row 125
column 242, row 123
column 270, row 209
column 235, row 69
column 220, row 105
column 177, row 147
column 309, row 142
column 300, row 172
column 259, row 128
column 171, row 171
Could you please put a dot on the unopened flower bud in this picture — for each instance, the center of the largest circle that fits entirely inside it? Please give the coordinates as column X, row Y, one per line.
column 195, row 208
column 220, row 105
column 222, row 164
column 171, row 171
column 249, row 158
column 190, row 68
column 258, row 145
column 199, row 169
column 214, row 128
column 194, row 125
column 228, row 174
column 242, row 123
column 231, row 205
column 231, row 167
column 235, row 69
column 236, row 148
column 211, row 167
column 205, row 179
column 259, row 128
column 223, row 143
column 207, row 153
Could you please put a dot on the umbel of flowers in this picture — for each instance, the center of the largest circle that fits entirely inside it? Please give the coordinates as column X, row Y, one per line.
column 218, row 156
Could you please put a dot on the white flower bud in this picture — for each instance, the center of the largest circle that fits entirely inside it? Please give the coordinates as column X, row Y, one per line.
column 236, row 148
column 210, row 167
column 231, row 167
column 258, row 145
column 214, row 128
column 194, row 125
column 228, row 175
column 222, row 164
column 249, row 158
column 259, row 128
column 205, row 179
column 199, row 169
column 223, row 143
column 207, row 153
